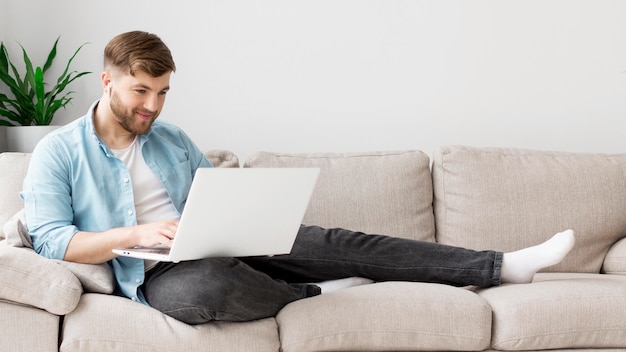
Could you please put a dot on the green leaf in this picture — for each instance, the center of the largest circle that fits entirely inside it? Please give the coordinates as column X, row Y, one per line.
column 40, row 106
column 29, row 78
column 30, row 103
column 51, row 56
column 4, row 59
column 67, row 67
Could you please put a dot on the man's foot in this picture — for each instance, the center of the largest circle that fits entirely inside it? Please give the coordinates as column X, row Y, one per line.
column 334, row 285
column 519, row 267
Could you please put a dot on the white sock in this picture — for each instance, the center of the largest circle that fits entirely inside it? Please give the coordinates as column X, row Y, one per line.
column 521, row 266
column 334, row 285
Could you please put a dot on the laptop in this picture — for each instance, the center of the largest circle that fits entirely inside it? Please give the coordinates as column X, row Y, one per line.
column 238, row 212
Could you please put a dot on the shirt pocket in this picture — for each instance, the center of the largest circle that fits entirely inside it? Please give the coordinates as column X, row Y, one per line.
column 177, row 181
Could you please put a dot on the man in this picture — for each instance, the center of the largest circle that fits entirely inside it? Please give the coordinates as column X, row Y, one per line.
column 117, row 178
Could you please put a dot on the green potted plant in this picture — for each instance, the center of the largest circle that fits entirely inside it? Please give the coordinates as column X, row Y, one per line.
column 33, row 100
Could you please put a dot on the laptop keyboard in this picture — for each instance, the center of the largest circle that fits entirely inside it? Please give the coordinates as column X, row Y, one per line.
column 156, row 250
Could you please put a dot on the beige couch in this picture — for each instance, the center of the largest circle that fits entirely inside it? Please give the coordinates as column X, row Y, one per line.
column 479, row 198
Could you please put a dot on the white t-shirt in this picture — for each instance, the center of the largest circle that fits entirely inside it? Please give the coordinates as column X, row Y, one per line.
column 152, row 203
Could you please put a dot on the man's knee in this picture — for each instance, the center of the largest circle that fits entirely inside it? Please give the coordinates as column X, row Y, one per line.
column 195, row 292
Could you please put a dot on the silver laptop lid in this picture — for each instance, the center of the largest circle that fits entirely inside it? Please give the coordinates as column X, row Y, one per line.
column 235, row 212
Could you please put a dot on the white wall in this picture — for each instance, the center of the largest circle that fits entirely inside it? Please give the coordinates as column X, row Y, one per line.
column 359, row 75
column 2, row 15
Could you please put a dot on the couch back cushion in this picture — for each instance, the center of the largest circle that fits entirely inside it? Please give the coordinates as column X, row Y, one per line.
column 386, row 193
column 222, row 158
column 506, row 199
column 13, row 167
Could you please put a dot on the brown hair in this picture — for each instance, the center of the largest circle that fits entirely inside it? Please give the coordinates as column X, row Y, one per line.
column 139, row 51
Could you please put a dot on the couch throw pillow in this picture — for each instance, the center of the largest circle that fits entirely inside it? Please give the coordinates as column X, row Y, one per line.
column 30, row 279
column 93, row 278
column 615, row 260
column 16, row 233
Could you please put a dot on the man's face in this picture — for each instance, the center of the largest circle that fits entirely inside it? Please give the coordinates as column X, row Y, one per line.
column 136, row 101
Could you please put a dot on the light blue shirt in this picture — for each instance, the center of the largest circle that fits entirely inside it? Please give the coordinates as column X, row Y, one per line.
column 75, row 183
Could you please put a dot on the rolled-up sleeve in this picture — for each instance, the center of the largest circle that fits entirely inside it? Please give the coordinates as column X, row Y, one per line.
column 48, row 202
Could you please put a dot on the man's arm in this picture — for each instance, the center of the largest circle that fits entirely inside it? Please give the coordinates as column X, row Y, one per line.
column 96, row 247
column 52, row 191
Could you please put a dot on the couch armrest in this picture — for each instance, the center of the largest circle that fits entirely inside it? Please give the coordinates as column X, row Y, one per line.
column 615, row 260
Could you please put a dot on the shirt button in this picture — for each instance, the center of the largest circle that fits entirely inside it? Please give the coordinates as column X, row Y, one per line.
column 125, row 180
column 134, row 299
column 130, row 212
column 137, row 280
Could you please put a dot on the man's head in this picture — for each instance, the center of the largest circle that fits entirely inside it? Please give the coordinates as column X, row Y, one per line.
column 137, row 69
column 135, row 51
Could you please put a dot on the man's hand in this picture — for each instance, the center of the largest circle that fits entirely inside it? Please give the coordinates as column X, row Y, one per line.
column 156, row 233
column 97, row 247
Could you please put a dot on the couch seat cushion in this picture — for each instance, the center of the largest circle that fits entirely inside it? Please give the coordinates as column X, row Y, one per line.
column 559, row 310
column 387, row 316
column 388, row 193
column 111, row 323
column 24, row 328
column 507, row 199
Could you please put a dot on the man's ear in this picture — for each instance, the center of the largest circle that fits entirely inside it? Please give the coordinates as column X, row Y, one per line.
column 106, row 79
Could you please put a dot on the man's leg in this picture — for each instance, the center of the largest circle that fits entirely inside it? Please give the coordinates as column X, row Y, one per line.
column 325, row 254
column 252, row 288
column 223, row 289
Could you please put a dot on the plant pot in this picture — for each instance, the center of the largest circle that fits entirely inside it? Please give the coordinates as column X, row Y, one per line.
column 23, row 139
column 3, row 139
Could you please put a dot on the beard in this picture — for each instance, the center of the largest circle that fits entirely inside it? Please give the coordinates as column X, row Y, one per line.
column 126, row 116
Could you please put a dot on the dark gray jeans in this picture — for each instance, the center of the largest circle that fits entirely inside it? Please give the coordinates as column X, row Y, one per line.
column 242, row 289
